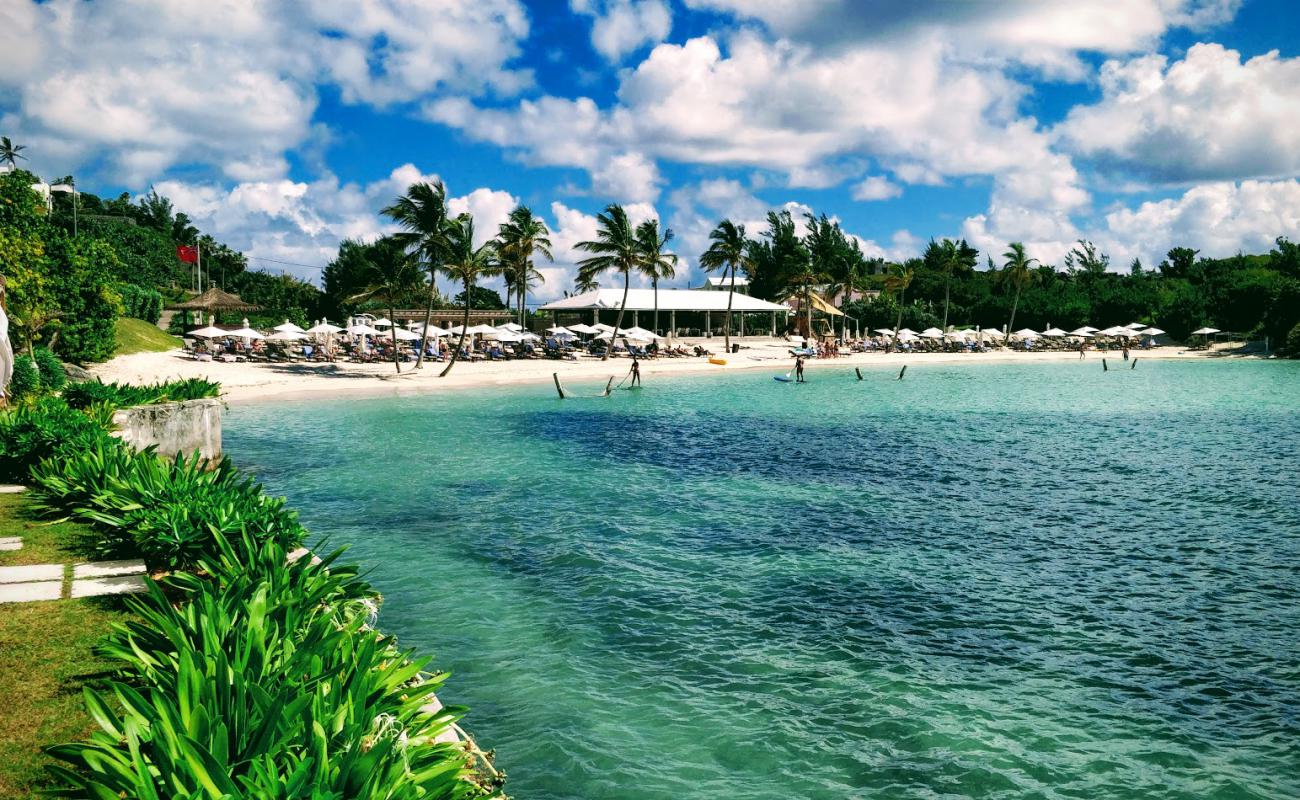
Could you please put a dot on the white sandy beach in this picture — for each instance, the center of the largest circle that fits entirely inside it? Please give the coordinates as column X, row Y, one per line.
column 253, row 382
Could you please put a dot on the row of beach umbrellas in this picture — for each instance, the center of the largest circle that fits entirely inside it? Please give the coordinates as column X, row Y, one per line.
column 1086, row 332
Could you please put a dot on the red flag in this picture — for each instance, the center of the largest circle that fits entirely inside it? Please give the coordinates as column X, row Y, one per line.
column 187, row 253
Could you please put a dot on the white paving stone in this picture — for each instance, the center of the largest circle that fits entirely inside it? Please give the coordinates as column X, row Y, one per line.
column 9, row 539
column 35, row 572
column 119, row 584
column 29, row 592
column 8, row 488
column 10, row 546
column 104, row 569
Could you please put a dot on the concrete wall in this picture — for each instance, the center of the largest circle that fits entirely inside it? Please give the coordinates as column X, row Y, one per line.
column 173, row 427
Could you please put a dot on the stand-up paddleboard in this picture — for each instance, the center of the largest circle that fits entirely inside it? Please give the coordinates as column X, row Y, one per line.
column 783, row 378
column 722, row 362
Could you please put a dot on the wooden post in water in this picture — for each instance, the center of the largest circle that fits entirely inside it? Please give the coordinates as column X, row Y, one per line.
column 1104, row 368
column 859, row 371
column 558, row 387
column 901, row 371
column 1135, row 364
column 608, row 387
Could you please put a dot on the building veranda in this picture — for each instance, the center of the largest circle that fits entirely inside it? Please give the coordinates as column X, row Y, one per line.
column 681, row 312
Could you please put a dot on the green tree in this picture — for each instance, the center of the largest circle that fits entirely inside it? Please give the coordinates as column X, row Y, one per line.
column 426, row 226
column 728, row 251
column 775, row 256
column 518, row 238
column 1018, row 273
column 392, row 273
column 655, row 263
column 481, row 299
column 955, row 258
column 614, row 250
column 465, row 264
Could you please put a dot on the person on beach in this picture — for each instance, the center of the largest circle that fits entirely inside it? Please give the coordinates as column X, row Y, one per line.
column 1083, row 346
column 798, row 369
column 636, row 372
column 1126, row 351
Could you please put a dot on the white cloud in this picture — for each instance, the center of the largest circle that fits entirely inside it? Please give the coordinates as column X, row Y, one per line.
column 488, row 207
column 1207, row 117
column 140, row 86
column 622, row 26
column 876, row 187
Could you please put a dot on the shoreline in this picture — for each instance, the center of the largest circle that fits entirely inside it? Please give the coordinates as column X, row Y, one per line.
column 251, row 383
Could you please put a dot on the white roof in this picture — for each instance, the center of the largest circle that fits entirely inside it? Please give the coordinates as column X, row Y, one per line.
column 669, row 300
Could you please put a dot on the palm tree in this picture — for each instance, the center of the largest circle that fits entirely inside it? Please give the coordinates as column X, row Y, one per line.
column 730, row 249
column 954, row 257
column 522, row 235
column 585, row 283
column 896, row 282
column 391, row 273
column 11, row 152
column 422, row 215
column 615, row 248
column 655, row 263
column 1018, row 273
column 466, row 264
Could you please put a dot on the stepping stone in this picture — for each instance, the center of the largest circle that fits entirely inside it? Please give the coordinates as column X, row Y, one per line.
column 14, row 545
column 104, row 569
column 35, row 572
column 10, row 539
column 29, row 592
column 9, row 488
column 119, row 584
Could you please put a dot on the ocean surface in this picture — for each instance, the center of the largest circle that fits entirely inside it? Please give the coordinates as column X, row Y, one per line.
column 982, row 581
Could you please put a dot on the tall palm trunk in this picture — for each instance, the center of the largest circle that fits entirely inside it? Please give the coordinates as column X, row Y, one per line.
column 618, row 321
column 731, row 292
column 455, row 354
column 428, row 317
column 947, row 284
column 523, row 302
column 807, row 301
column 898, row 321
column 655, row 283
column 1012, row 323
column 392, row 315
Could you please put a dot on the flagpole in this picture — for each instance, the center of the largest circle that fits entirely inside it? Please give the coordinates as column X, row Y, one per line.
column 198, row 247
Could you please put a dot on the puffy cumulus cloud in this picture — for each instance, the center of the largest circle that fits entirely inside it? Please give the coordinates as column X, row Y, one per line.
column 1219, row 219
column 779, row 106
column 488, row 207
column 139, row 86
column 1209, row 116
column 630, row 177
column 569, row 226
column 876, row 187
column 622, row 26
column 1044, row 34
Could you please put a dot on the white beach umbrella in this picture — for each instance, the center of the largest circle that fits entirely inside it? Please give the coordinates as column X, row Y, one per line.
column 480, row 329
column 286, row 336
column 991, row 332
column 512, row 326
column 509, row 336
column 1089, row 329
column 1115, row 330
column 324, row 327
column 529, row 336
column 403, row 335
column 931, row 333
column 246, row 333
column 885, row 331
column 1025, row 333
column 384, row 321
column 1151, row 332
column 642, row 334
column 289, row 326
column 1084, row 331
column 1204, row 331
column 908, row 331
column 602, row 327
column 363, row 330
column 434, row 332
column 1054, row 332
column 907, row 336
column 209, row 332
column 584, row 329
column 1135, row 326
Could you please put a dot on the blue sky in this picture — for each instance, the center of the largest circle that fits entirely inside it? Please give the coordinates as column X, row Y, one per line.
column 283, row 127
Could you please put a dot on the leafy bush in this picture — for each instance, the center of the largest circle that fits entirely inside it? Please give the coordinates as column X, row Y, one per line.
column 169, row 513
column 125, row 395
column 46, row 429
column 52, row 375
column 26, row 380
column 267, row 682
column 1293, row 342
column 140, row 302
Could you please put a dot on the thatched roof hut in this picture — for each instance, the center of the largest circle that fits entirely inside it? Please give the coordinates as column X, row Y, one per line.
column 214, row 300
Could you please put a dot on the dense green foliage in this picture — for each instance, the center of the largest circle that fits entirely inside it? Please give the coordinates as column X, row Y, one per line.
column 141, row 303
column 250, row 675
column 482, row 298
column 123, row 395
column 52, row 375
column 26, row 380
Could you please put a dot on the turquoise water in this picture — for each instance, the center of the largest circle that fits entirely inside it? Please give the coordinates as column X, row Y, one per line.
column 985, row 581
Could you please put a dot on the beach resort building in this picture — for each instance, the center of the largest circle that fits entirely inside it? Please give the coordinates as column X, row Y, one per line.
column 682, row 312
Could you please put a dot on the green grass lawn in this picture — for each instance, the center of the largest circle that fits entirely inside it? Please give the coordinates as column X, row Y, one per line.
column 45, row 655
column 138, row 336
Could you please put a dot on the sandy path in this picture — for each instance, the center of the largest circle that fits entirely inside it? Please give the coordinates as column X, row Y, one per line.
column 245, row 382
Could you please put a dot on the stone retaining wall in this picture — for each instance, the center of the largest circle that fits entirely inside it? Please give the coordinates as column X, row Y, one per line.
column 173, row 427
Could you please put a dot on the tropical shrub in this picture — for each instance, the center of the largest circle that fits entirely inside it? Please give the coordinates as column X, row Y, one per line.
column 141, row 303
column 125, row 395
column 52, row 375
column 1293, row 342
column 46, row 429
column 170, row 513
column 26, row 380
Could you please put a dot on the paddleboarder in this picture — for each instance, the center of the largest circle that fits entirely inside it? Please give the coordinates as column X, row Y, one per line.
column 636, row 372
column 798, row 369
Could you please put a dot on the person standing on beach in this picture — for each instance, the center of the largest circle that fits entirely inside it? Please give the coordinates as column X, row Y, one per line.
column 636, row 372
column 1083, row 347
column 798, row 369
column 1126, row 351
